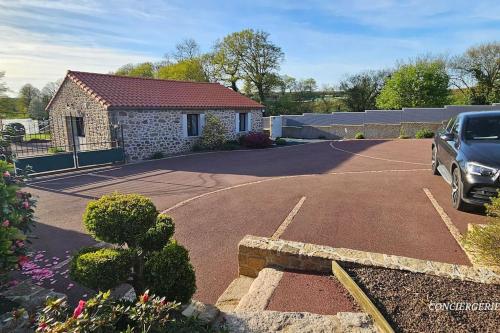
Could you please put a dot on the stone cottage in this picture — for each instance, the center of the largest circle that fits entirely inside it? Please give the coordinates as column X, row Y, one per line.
column 153, row 116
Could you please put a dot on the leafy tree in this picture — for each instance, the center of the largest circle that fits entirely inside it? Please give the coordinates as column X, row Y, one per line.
column 26, row 94
column 360, row 90
column 145, row 69
column 144, row 255
column 260, row 59
column 188, row 49
column 3, row 87
column 423, row 83
column 189, row 70
column 36, row 109
column 476, row 73
column 227, row 61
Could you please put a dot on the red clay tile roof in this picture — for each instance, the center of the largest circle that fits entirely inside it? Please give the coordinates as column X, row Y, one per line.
column 118, row 92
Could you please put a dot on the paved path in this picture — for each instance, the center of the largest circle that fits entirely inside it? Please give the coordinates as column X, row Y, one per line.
column 365, row 195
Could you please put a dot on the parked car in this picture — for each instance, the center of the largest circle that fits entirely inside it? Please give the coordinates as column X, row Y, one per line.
column 467, row 154
column 14, row 132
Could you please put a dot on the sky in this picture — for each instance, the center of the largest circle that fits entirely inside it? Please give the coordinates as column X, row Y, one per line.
column 322, row 39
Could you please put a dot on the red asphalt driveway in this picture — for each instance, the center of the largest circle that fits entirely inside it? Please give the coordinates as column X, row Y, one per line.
column 365, row 195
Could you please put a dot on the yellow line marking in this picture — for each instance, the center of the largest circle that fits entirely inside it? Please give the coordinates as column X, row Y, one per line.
column 449, row 224
column 281, row 229
column 375, row 158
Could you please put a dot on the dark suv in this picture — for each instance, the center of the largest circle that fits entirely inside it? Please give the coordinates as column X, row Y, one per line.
column 467, row 154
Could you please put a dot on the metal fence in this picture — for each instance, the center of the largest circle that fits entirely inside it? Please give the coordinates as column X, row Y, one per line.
column 61, row 143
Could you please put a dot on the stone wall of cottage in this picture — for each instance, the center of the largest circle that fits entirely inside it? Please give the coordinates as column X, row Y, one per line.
column 72, row 100
column 146, row 132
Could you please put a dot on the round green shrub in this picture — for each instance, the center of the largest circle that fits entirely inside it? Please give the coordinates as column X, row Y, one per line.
column 169, row 273
column 120, row 218
column 424, row 133
column 214, row 133
column 280, row 142
column 359, row 135
column 158, row 235
column 101, row 269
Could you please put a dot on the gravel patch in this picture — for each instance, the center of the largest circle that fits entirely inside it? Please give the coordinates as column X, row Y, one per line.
column 405, row 299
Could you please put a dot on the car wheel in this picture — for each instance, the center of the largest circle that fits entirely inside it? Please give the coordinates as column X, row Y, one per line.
column 435, row 162
column 457, row 190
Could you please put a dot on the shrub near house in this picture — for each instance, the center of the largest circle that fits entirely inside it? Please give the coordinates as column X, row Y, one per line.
column 16, row 219
column 145, row 254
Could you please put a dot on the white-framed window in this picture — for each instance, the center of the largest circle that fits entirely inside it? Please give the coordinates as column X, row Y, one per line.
column 192, row 124
column 243, row 121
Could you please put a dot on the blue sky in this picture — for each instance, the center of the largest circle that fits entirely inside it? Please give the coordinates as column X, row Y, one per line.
column 40, row 40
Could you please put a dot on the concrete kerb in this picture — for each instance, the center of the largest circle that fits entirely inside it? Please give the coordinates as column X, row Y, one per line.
column 256, row 253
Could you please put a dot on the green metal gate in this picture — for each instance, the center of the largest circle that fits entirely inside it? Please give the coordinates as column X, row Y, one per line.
column 63, row 145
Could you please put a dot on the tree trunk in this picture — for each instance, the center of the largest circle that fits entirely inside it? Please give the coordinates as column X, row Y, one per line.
column 234, row 86
column 261, row 93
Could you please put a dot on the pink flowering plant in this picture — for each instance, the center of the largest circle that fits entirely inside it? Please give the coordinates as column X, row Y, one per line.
column 149, row 313
column 16, row 220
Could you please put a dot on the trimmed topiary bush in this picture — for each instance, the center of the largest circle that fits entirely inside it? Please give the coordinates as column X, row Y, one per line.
column 424, row 133
column 119, row 218
column 170, row 274
column 484, row 241
column 256, row 140
column 146, row 256
column 359, row 135
column 101, row 268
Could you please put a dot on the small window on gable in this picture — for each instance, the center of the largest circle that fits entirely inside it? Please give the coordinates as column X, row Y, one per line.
column 193, row 124
column 243, row 122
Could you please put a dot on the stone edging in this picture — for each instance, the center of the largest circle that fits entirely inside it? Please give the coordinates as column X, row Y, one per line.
column 255, row 253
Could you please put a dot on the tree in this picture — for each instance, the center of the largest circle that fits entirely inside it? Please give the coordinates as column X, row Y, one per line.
column 145, row 69
column 188, row 49
column 144, row 254
column 227, row 61
column 260, row 59
column 26, row 94
column 188, row 70
column 36, row 109
column 3, row 87
column 360, row 90
column 423, row 83
column 476, row 73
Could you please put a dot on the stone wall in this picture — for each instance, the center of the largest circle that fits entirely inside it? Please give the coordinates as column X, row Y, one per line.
column 345, row 131
column 370, row 131
column 256, row 253
column 71, row 100
column 147, row 132
column 381, row 131
column 410, row 129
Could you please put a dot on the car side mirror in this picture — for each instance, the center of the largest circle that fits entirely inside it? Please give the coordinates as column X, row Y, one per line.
column 447, row 136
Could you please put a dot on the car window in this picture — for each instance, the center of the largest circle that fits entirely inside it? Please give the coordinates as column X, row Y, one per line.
column 482, row 128
column 455, row 127
column 450, row 124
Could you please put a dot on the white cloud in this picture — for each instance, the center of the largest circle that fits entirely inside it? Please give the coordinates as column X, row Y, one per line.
column 34, row 58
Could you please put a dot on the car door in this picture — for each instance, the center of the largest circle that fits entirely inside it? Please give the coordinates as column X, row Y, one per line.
column 450, row 147
column 442, row 144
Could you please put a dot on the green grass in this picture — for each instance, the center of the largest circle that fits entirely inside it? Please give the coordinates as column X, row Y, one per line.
column 39, row 136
